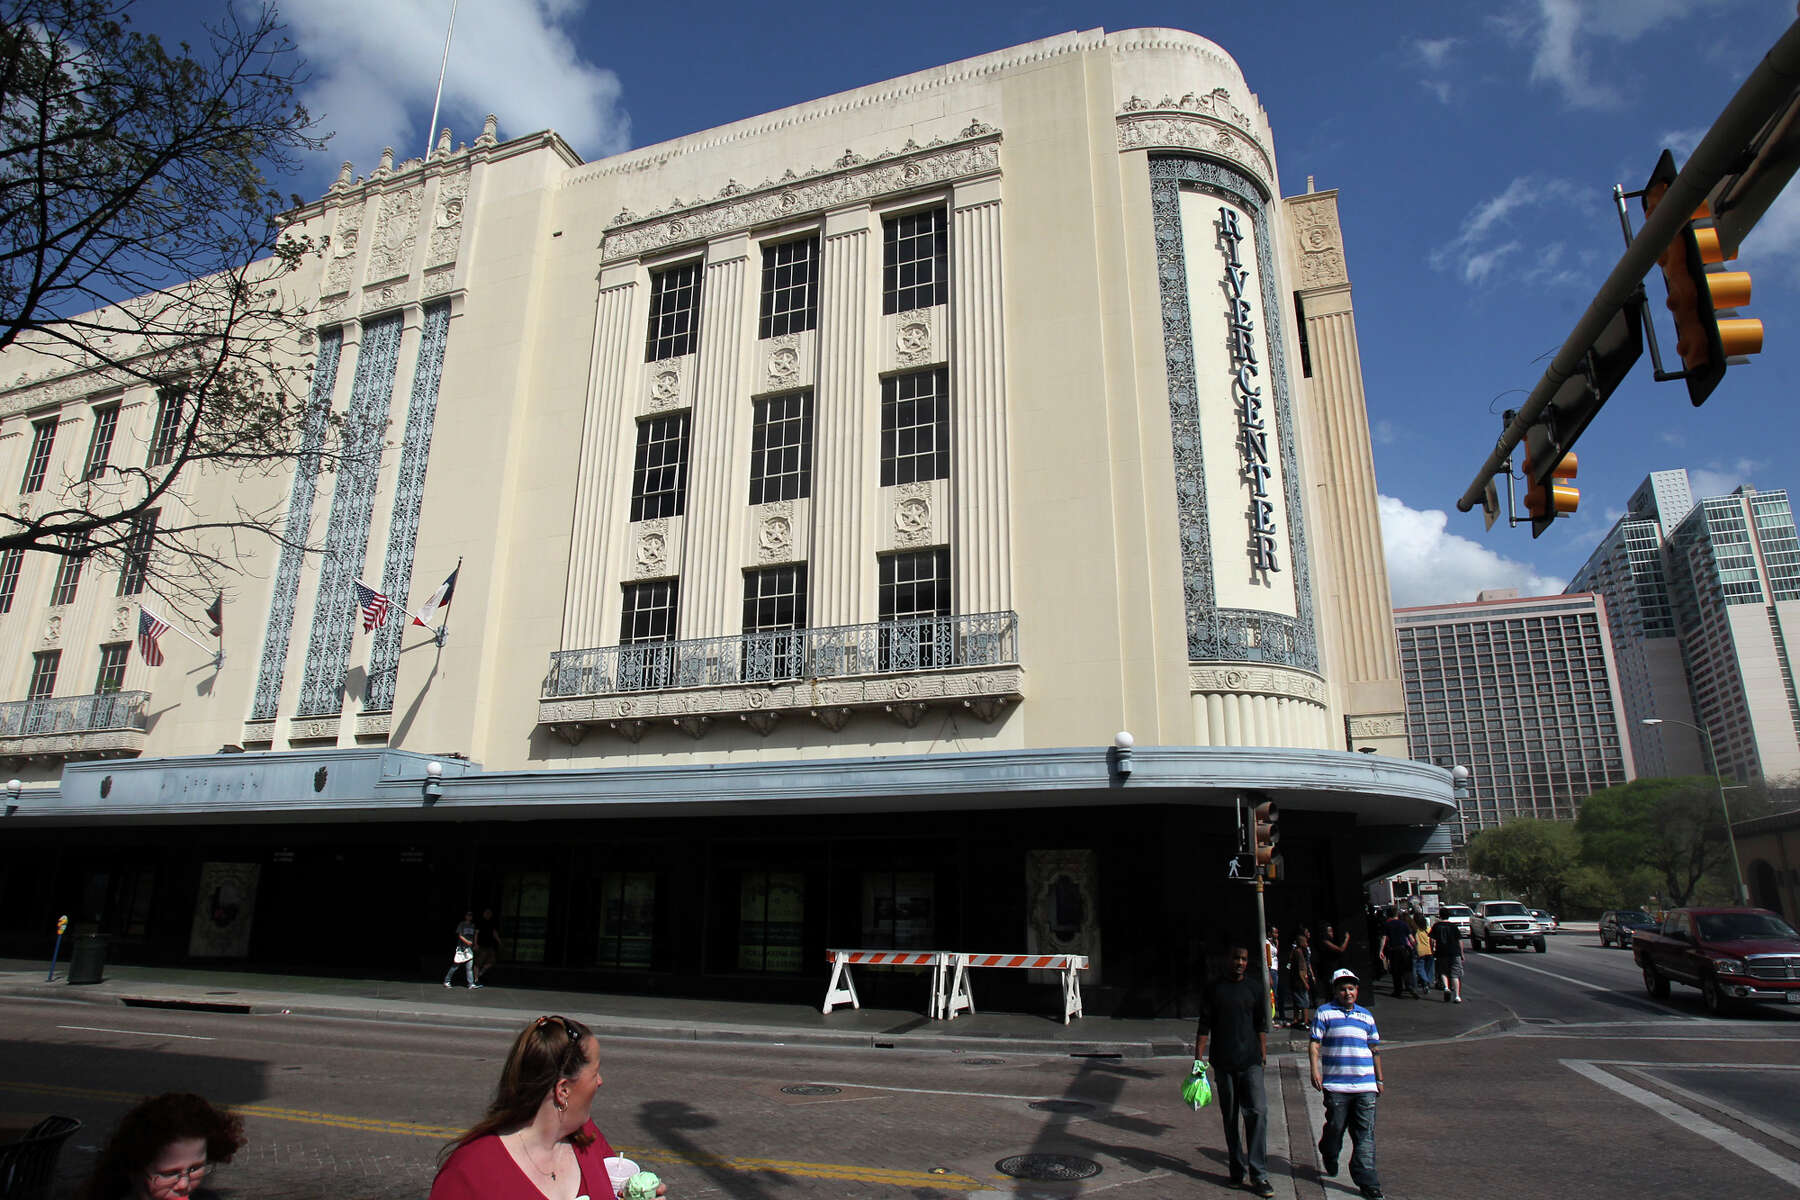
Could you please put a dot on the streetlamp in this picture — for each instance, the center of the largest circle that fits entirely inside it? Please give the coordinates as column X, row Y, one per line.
column 1730, row 838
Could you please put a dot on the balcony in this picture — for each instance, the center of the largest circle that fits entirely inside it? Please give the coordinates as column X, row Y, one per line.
column 59, row 728
column 898, row 668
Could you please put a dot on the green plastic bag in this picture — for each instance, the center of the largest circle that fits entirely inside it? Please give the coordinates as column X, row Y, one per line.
column 1196, row 1093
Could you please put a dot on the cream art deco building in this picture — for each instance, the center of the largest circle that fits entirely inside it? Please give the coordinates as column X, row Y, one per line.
column 830, row 488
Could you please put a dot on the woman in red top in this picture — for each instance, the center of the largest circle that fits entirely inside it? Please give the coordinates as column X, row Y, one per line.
column 537, row 1141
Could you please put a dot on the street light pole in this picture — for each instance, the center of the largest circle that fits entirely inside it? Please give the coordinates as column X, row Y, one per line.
column 1718, row 779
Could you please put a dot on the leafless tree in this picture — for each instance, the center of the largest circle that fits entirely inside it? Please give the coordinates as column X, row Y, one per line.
column 141, row 245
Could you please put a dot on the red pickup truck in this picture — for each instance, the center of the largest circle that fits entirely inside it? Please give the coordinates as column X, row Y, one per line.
column 1730, row 954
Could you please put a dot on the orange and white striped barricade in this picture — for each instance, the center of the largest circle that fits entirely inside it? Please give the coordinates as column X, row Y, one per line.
column 959, row 999
column 842, row 989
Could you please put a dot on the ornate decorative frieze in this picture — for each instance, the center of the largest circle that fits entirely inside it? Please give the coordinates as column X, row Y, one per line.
column 53, row 630
column 312, row 729
column 1208, row 124
column 775, row 532
column 374, row 724
column 1257, row 679
column 782, row 363
column 912, row 339
column 849, row 180
column 668, row 384
column 342, row 268
column 913, row 523
column 396, row 234
column 259, row 732
column 447, row 220
column 1376, row 725
column 650, row 554
column 1318, row 242
column 438, row 282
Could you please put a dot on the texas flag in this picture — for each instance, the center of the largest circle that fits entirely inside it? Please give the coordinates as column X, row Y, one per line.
column 438, row 601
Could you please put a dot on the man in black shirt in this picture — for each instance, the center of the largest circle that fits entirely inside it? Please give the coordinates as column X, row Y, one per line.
column 1446, row 938
column 1234, row 1021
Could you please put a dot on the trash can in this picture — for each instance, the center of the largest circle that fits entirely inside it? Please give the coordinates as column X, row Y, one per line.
column 88, row 963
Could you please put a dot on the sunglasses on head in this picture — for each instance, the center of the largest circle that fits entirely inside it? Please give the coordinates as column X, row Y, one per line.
column 566, row 1027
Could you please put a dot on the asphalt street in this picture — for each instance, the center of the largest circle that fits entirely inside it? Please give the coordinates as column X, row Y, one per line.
column 1585, row 1084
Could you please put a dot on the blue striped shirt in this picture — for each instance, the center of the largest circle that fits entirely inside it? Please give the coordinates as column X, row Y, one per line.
column 1347, row 1043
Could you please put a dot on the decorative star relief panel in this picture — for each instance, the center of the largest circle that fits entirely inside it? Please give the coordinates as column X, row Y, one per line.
column 850, row 179
column 1218, row 634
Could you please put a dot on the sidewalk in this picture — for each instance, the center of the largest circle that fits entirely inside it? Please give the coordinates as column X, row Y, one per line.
column 677, row 1018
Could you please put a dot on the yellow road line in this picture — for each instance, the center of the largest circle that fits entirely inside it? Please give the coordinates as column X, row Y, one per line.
column 850, row 1172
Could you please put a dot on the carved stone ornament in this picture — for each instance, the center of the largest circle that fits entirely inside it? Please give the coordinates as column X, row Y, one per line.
column 121, row 620
column 396, row 233
column 784, row 366
column 306, row 339
column 763, row 722
column 437, row 282
column 912, row 341
column 775, row 540
column 1380, row 725
column 1318, row 241
column 912, row 520
column 53, row 631
column 1258, row 680
column 303, row 729
column 447, row 220
column 652, row 553
column 1210, row 125
column 833, row 719
column 851, row 179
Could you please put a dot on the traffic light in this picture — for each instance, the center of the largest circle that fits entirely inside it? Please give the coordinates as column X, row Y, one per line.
column 1548, row 494
column 1265, row 831
column 1707, row 334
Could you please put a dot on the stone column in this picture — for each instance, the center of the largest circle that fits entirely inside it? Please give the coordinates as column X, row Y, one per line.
column 601, row 490
column 842, row 567
column 981, row 517
column 712, row 591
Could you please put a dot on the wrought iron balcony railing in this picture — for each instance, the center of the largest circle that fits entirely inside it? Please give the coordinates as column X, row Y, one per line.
column 840, row 652
column 74, row 714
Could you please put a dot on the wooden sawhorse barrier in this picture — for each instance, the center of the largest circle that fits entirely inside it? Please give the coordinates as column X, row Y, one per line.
column 950, row 992
column 842, row 989
column 958, row 998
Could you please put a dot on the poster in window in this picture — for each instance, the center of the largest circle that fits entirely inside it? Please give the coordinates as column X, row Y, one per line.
column 627, row 918
column 223, row 910
column 898, row 909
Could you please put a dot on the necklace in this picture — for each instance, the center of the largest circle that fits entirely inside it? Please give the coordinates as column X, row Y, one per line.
column 529, row 1157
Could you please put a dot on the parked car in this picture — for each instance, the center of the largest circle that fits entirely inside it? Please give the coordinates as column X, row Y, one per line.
column 1730, row 954
column 1505, row 923
column 1458, row 915
column 1547, row 920
column 1618, row 925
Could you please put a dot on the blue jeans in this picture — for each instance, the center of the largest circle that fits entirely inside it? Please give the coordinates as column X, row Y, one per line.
column 1354, row 1111
column 1425, row 966
column 1241, row 1092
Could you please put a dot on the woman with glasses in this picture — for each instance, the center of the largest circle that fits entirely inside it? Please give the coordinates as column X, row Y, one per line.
column 537, row 1141
column 165, row 1147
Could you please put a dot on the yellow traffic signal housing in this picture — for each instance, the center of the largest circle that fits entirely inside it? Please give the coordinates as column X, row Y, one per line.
column 1265, row 832
column 1555, row 496
column 1707, row 337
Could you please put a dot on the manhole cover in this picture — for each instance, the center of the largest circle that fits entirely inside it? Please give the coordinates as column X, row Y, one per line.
column 1048, row 1167
column 1062, row 1106
column 982, row 1062
column 811, row 1089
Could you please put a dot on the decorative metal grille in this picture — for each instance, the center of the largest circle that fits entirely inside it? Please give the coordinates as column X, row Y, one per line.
column 844, row 651
column 74, row 714
column 1220, row 634
column 409, row 496
column 335, row 615
column 299, row 515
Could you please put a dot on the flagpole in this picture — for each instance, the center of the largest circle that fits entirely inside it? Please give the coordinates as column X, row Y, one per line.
column 436, row 102
column 443, row 632
column 178, row 629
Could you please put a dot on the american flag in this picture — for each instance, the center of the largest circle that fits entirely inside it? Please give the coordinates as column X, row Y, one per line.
column 374, row 606
column 149, row 629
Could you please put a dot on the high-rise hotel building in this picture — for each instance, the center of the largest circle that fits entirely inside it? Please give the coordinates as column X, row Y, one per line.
column 830, row 489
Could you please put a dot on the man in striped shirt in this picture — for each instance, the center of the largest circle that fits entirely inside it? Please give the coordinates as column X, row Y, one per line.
column 1346, row 1065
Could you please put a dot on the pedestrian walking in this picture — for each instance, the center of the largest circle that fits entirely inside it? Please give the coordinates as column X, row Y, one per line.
column 1234, row 1025
column 463, row 955
column 1424, row 965
column 1446, row 941
column 1302, row 983
column 1277, row 981
column 1329, row 949
column 1345, row 1052
column 164, row 1147
column 1396, row 952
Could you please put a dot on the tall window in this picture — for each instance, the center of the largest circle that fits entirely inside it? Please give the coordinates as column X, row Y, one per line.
column 674, row 312
column 915, row 587
column 646, row 632
column 915, row 427
column 781, row 448
column 43, row 673
column 138, row 545
column 43, row 436
column 659, row 474
column 790, row 288
column 10, row 562
column 68, row 570
column 915, row 261
column 111, row 676
column 774, row 615
column 106, row 423
column 165, row 439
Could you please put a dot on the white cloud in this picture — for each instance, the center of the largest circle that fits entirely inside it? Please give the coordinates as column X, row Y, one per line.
column 1434, row 52
column 1486, row 238
column 1427, row 564
column 375, row 68
column 1384, row 433
column 1721, row 479
column 1563, row 36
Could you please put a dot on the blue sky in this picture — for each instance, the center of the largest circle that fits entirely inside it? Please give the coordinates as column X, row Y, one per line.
column 1474, row 147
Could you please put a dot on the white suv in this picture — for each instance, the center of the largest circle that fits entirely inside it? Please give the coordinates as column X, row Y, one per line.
column 1505, row 923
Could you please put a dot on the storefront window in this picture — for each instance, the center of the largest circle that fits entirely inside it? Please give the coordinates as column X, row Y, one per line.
column 771, row 911
column 525, row 914
column 627, row 918
column 897, row 910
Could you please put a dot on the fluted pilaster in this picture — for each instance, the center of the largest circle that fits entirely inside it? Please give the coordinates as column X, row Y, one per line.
column 981, row 540
column 841, row 569
column 718, row 468
column 600, row 490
